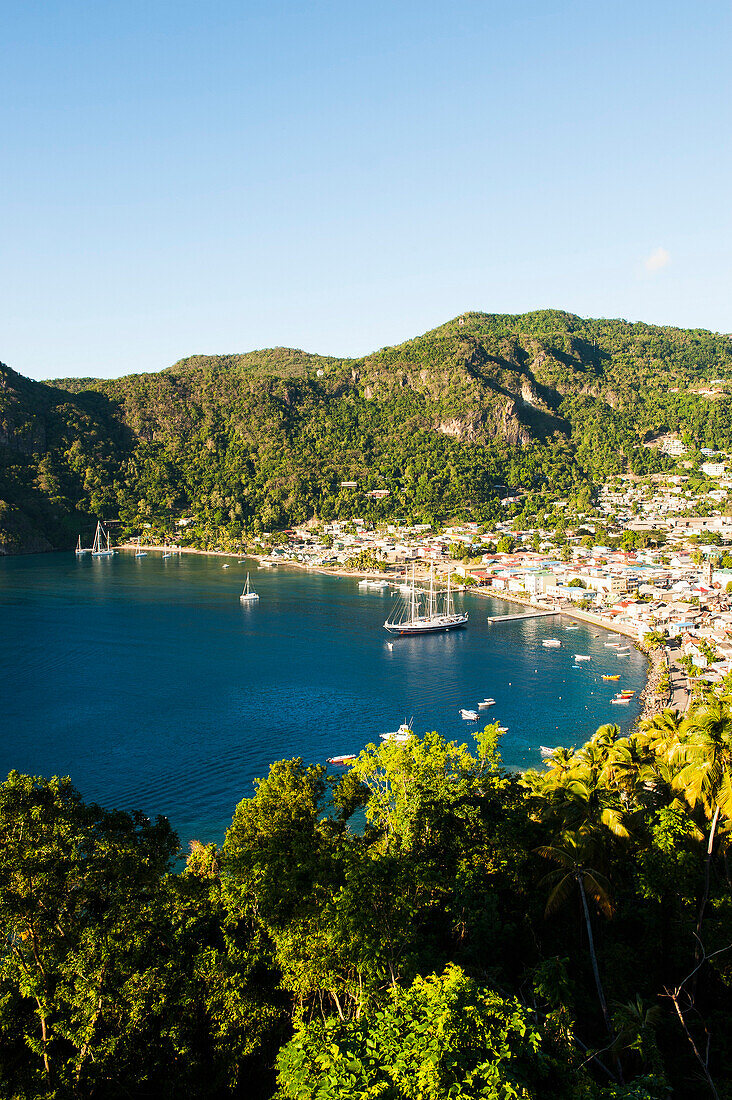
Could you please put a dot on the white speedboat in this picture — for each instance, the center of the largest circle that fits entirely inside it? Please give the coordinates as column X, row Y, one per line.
column 546, row 751
column 469, row 715
column 248, row 594
column 486, row 703
column 346, row 758
column 227, row 566
column 551, row 643
column 402, row 734
column 581, row 657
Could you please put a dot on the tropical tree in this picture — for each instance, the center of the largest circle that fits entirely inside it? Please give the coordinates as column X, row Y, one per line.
column 575, row 871
column 442, row 1036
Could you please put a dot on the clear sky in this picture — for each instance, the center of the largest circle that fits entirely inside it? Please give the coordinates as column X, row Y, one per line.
column 339, row 175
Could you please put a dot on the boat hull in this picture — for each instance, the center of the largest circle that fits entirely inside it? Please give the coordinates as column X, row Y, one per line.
column 434, row 626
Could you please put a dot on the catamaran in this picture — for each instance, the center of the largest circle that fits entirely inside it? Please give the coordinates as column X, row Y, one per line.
column 101, row 547
column 434, row 620
column 248, row 594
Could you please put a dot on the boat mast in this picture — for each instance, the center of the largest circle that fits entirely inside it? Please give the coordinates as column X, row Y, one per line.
column 413, row 610
column 432, row 591
column 448, row 601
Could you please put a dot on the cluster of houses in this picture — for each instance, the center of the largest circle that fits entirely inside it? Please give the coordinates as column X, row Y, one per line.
column 676, row 591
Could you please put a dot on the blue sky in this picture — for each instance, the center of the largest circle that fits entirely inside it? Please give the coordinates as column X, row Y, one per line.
column 183, row 178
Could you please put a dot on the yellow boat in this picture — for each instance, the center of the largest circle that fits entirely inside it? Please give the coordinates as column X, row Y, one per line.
column 612, row 677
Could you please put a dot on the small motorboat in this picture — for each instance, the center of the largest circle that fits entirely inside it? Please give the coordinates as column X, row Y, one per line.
column 486, row 703
column 346, row 758
column 227, row 566
column 617, row 677
column 582, row 657
column 469, row 715
column 621, row 699
column 503, row 729
column 546, row 751
column 402, row 734
column 571, row 628
column 551, row 643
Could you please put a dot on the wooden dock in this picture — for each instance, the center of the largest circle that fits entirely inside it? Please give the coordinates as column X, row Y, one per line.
column 523, row 615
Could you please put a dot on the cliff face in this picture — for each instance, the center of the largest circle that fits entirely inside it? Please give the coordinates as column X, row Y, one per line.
column 269, row 436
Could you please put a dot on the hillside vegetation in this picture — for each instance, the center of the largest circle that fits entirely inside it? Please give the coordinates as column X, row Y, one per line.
column 544, row 401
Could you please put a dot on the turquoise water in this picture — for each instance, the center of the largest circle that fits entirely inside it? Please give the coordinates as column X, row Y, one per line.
column 154, row 688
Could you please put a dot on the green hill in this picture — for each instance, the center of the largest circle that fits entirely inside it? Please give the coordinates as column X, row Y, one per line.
column 545, row 401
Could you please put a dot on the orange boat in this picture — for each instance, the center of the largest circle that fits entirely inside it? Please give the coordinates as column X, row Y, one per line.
column 612, row 677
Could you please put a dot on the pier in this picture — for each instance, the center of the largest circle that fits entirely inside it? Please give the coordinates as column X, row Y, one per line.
column 523, row 615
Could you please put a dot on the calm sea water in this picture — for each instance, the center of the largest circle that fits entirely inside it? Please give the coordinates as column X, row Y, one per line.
column 154, row 688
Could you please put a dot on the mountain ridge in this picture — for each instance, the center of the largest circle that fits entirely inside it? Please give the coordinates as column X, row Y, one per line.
column 547, row 401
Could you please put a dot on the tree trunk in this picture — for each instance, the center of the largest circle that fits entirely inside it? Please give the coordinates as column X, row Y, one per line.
column 44, row 1036
column 596, row 971
column 707, row 875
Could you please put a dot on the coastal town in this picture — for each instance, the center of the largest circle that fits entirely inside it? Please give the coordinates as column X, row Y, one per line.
column 644, row 565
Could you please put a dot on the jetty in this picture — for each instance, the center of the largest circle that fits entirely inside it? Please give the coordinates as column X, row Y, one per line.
column 523, row 615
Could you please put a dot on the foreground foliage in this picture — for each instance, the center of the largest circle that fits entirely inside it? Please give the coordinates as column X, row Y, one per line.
column 562, row 934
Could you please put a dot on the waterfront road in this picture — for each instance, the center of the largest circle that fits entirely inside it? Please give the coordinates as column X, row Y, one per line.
column 680, row 694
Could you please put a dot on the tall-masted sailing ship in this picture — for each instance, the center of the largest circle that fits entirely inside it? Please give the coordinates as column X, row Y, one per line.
column 434, row 618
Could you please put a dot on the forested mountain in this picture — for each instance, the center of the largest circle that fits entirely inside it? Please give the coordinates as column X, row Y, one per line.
column 545, row 401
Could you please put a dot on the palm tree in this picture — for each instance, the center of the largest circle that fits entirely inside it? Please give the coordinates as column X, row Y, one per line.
column 705, row 777
column 637, row 1023
column 575, row 870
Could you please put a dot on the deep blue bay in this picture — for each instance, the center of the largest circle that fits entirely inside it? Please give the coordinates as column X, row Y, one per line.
column 154, row 688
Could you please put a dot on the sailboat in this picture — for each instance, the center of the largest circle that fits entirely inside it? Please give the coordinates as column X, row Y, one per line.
column 433, row 621
column 140, row 553
column 82, row 549
column 248, row 594
column 101, row 547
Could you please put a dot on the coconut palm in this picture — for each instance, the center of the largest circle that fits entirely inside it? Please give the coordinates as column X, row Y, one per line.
column 705, row 777
column 637, row 1023
column 575, row 871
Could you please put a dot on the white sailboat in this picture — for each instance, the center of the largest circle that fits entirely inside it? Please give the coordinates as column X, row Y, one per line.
column 101, row 547
column 248, row 594
column 434, row 621
column 140, row 553
column 82, row 549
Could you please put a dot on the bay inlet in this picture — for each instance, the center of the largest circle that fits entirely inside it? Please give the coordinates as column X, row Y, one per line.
column 151, row 685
